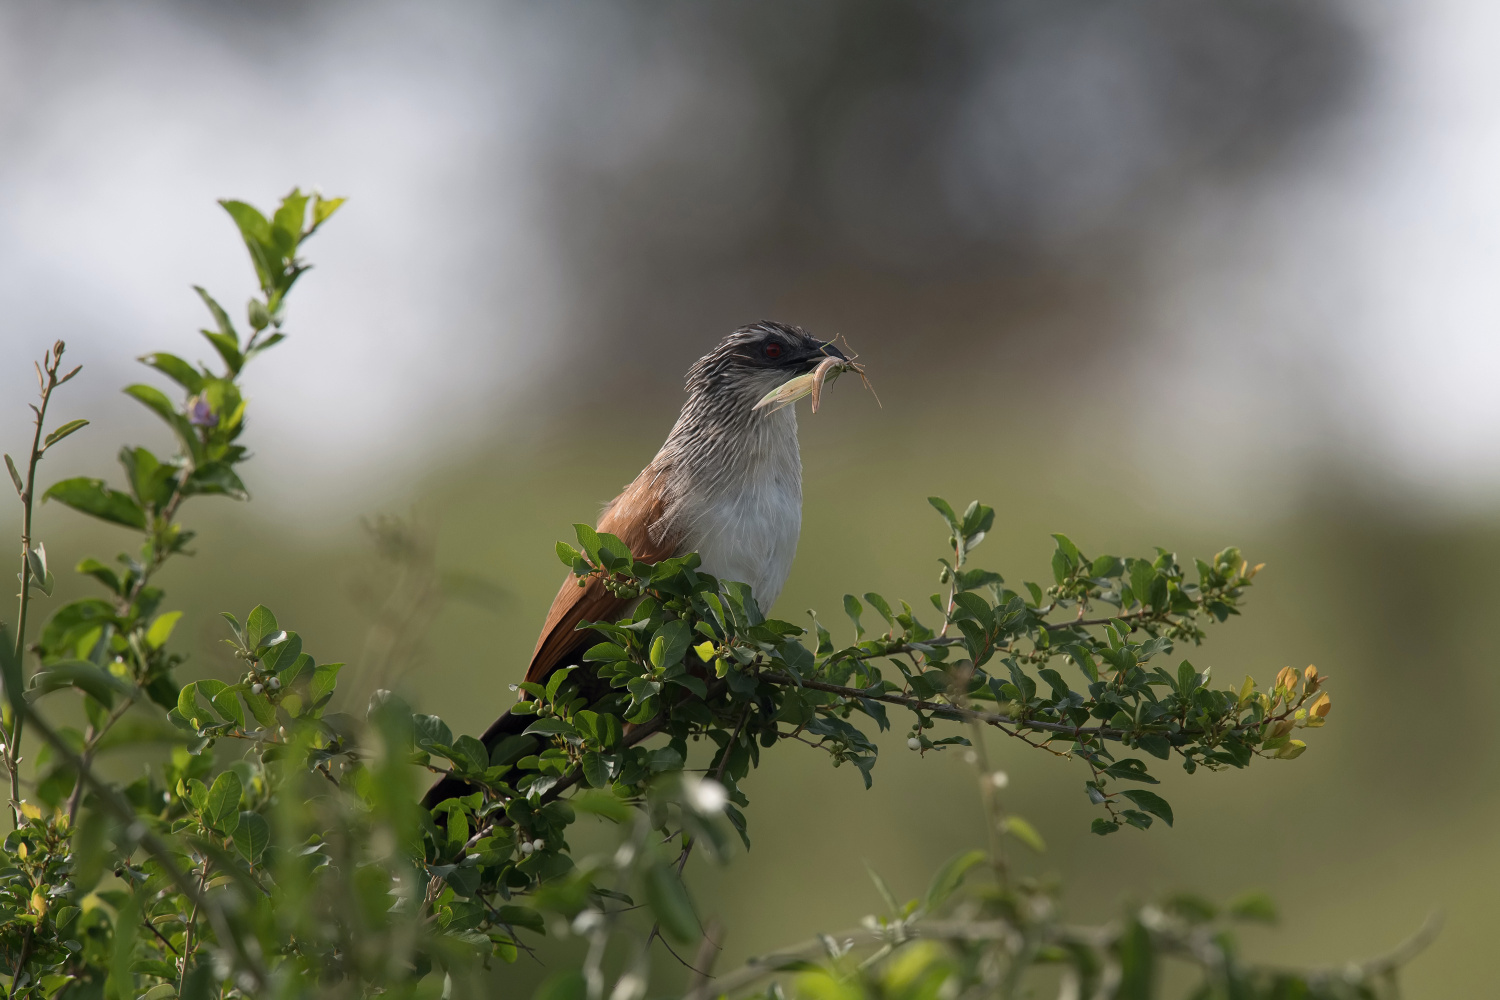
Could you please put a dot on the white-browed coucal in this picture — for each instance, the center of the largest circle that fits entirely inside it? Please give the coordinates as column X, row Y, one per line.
column 727, row 484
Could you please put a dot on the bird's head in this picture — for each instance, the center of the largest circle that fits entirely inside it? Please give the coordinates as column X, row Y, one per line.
column 755, row 359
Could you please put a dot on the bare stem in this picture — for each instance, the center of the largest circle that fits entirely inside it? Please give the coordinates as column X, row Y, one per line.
column 87, row 757
column 47, row 381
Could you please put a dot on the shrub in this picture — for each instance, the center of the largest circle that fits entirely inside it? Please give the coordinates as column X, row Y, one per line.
column 277, row 849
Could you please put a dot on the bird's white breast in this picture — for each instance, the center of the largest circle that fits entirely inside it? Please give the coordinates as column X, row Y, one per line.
column 745, row 528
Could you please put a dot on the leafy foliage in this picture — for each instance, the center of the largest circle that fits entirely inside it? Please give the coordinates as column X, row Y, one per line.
column 275, row 847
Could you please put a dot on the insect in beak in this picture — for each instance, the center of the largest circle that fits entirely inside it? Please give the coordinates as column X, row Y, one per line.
column 811, row 384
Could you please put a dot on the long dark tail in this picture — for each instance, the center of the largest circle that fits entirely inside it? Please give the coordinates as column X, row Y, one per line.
column 591, row 687
column 451, row 788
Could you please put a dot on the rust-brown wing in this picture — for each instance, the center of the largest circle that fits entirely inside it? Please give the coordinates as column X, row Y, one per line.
column 629, row 517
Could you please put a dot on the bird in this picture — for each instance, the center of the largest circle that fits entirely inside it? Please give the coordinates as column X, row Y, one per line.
column 726, row 484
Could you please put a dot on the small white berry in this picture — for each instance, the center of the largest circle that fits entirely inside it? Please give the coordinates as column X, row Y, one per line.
column 526, row 847
column 539, row 844
column 275, row 683
column 257, row 688
column 999, row 779
column 914, row 744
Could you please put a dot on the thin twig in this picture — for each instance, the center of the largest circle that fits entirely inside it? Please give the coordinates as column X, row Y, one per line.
column 1001, row 722
column 28, row 502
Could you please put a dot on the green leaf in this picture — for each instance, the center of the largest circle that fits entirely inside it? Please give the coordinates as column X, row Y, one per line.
column 157, row 402
column 161, row 629
column 670, row 643
column 1142, row 574
column 1025, row 833
column 854, row 609
column 260, row 706
column 86, row 677
column 176, row 369
column 227, row 704
column 879, row 604
column 325, row 679
column 595, row 770
column 944, row 508
column 1155, row 745
column 948, row 877
column 223, row 803
column 588, row 538
column 286, row 224
column 1187, row 679
column 63, row 431
column 189, row 709
column 668, row 899
column 150, row 480
column 322, row 209
column 1131, row 769
column 431, row 731
column 1151, row 802
column 475, row 757
column 215, row 479
column 978, row 519
column 550, row 726
column 601, row 803
column 100, row 572
column 221, row 318
column 255, row 230
column 252, row 835
column 1066, row 547
column 259, row 624
column 610, row 731
column 1256, row 906
column 15, row 476
column 521, row 916
column 228, row 350
column 91, row 496
column 1104, row 827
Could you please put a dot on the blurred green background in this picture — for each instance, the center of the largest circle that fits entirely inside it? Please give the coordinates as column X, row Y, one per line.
column 1167, row 274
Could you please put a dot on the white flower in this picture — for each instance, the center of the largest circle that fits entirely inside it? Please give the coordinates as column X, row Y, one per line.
column 707, row 796
column 914, row 744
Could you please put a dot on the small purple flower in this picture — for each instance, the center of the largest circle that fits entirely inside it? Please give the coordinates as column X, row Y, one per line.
column 200, row 413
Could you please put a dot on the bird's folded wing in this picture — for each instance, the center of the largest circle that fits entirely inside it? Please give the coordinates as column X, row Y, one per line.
column 630, row 518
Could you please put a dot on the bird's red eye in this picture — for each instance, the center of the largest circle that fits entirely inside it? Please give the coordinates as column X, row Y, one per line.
column 773, row 350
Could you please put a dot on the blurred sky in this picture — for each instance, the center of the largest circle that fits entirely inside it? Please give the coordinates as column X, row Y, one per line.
column 1288, row 206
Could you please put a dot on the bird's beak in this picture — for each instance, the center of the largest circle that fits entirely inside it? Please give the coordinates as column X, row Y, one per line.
column 828, row 351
